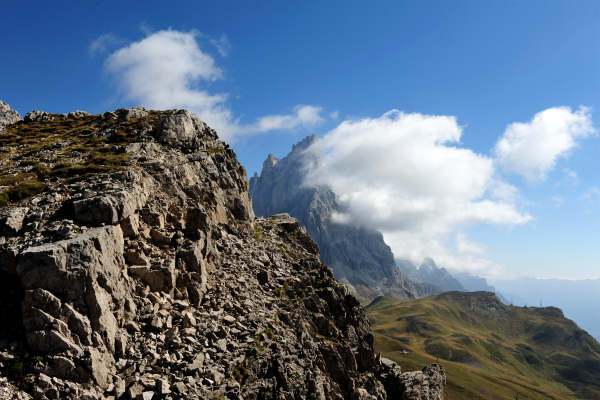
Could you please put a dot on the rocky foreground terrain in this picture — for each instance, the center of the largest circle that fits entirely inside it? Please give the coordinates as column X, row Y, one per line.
column 132, row 267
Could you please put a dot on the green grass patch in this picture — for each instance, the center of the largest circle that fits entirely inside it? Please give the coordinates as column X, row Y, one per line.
column 63, row 151
column 215, row 150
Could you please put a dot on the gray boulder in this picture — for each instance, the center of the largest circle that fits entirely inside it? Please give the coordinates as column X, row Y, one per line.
column 7, row 116
column 39, row 116
column 11, row 220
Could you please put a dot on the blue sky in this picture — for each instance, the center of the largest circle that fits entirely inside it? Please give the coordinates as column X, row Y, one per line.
column 284, row 70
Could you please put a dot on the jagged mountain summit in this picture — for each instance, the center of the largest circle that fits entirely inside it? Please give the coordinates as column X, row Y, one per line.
column 429, row 272
column 132, row 267
column 358, row 256
column 474, row 283
column 439, row 277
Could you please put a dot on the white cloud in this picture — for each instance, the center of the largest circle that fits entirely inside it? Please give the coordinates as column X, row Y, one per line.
column 504, row 191
column 557, row 201
column 103, row 42
column 466, row 246
column 571, row 175
column 592, row 193
column 303, row 116
column 532, row 148
column 168, row 69
column 405, row 175
column 461, row 255
column 222, row 45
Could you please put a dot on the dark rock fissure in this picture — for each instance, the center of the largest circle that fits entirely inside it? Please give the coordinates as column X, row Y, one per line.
column 11, row 298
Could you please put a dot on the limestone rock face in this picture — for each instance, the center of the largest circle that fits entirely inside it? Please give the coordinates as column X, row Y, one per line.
column 11, row 220
column 427, row 384
column 132, row 267
column 358, row 256
column 7, row 116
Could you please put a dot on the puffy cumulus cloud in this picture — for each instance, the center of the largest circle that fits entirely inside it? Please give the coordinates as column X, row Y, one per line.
column 532, row 148
column 466, row 246
column 161, row 71
column 471, row 257
column 407, row 176
column 303, row 116
column 222, row 45
column 168, row 69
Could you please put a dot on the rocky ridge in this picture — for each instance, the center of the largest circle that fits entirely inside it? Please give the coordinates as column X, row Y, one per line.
column 132, row 267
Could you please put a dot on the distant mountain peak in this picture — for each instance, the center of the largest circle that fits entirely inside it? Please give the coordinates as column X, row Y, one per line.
column 304, row 143
column 270, row 162
column 429, row 272
column 428, row 264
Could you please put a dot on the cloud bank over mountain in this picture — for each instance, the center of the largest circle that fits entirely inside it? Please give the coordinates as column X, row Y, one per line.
column 408, row 176
column 168, row 69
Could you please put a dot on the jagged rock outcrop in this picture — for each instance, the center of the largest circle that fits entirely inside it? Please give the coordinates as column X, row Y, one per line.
column 474, row 283
column 132, row 267
column 481, row 304
column 7, row 116
column 428, row 272
column 358, row 256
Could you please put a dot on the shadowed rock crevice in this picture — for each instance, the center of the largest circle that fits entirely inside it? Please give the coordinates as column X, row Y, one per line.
column 16, row 359
column 11, row 297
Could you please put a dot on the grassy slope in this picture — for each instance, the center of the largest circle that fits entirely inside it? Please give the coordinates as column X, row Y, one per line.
column 490, row 351
column 34, row 156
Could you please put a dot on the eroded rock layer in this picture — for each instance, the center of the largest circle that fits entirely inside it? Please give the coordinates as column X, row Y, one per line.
column 132, row 267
